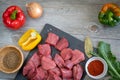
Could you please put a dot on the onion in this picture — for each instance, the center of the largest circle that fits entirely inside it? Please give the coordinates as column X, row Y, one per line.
column 34, row 9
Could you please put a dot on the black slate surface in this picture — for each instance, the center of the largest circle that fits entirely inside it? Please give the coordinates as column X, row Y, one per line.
column 74, row 43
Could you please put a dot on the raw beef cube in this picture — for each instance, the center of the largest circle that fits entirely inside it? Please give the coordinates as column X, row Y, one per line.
column 52, row 39
column 66, row 53
column 66, row 73
column 29, row 70
column 40, row 75
column 49, row 56
column 53, row 76
column 28, row 67
column 35, row 59
column 68, row 64
column 47, row 63
column 31, row 74
column 46, row 74
column 56, row 71
column 77, row 72
column 77, row 56
column 36, row 77
column 58, row 60
column 61, row 44
column 44, row 49
column 68, row 79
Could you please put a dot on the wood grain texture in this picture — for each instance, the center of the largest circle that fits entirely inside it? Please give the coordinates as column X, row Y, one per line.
column 72, row 16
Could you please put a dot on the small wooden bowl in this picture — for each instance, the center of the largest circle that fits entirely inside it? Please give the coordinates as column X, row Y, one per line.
column 11, row 59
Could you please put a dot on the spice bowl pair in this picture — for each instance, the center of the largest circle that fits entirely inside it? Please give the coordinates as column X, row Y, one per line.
column 11, row 59
column 96, row 67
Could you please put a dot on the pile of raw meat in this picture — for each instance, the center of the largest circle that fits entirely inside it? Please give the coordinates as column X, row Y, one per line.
column 64, row 66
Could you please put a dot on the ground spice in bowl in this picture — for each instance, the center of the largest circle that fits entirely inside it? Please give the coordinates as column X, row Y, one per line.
column 11, row 60
column 95, row 67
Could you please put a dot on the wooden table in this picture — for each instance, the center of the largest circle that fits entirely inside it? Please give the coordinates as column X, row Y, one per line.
column 72, row 16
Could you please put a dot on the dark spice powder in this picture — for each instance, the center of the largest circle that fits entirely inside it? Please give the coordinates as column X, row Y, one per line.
column 11, row 60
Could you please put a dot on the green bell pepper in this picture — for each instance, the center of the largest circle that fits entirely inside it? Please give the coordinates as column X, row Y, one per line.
column 109, row 14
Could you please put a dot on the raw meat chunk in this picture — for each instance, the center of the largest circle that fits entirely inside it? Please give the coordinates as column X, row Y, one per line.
column 47, row 63
column 31, row 74
column 53, row 76
column 68, row 79
column 66, row 53
column 52, row 39
column 77, row 56
column 77, row 72
column 56, row 71
column 28, row 67
column 35, row 59
column 61, row 44
column 68, row 64
column 46, row 74
column 66, row 73
column 29, row 70
column 44, row 49
column 40, row 75
column 58, row 60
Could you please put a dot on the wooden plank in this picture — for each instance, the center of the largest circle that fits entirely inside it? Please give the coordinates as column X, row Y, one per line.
column 63, row 1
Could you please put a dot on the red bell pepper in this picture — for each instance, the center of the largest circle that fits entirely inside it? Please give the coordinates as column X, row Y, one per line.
column 13, row 17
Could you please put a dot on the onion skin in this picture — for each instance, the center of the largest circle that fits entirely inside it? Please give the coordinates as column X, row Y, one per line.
column 34, row 9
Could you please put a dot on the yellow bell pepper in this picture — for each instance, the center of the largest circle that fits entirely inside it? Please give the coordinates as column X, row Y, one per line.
column 29, row 39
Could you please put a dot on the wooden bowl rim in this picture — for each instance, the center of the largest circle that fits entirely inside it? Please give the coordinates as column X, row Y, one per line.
column 22, row 59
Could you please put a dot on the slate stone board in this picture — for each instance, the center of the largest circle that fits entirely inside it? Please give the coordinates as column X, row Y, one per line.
column 74, row 43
